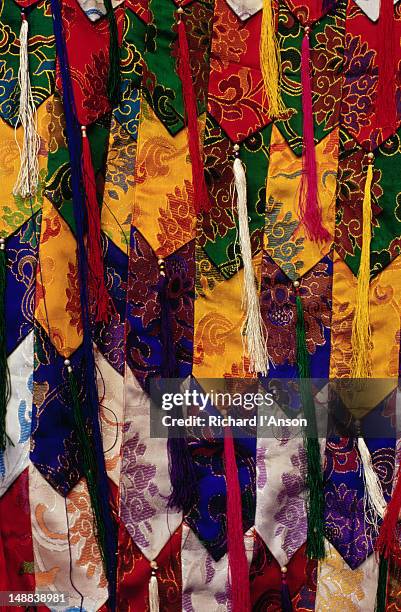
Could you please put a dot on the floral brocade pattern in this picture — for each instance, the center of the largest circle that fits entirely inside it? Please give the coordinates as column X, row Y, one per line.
column 279, row 309
column 145, row 354
column 178, row 289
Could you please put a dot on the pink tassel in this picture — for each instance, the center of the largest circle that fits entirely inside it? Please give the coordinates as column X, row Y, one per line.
column 201, row 195
column 97, row 286
column 309, row 208
column 238, row 563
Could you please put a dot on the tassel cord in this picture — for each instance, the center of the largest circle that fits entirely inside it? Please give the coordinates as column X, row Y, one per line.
column 386, row 111
column 381, row 593
column 88, row 460
column 387, row 544
column 361, row 331
column 169, row 365
column 5, row 382
column 114, row 79
column 91, row 399
column 286, row 603
column 100, row 296
column 28, row 176
column 309, row 207
column 201, row 195
column 154, row 601
column 314, row 476
column 181, row 467
column 253, row 328
column 238, row 563
column 270, row 62
column 374, row 502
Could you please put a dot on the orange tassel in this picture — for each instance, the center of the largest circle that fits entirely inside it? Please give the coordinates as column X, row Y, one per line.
column 97, row 286
column 201, row 195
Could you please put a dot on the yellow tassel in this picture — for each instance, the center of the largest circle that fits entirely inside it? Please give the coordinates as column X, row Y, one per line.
column 361, row 332
column 270, row 62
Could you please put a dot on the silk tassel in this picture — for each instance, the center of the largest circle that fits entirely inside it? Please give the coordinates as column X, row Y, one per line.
column 201, row 195
column 5, row 383
column 253, row 328
column 237, row 560
column 169, row 366
column 361, row 332
column 386, row 110
column 309, row 206
column 154, row 601
column 314, row 476
column 181, row 467
column 381, row 593
column 97, row 286
column 28, row 175
column 373, row 497
column 88, row 460
column 286, row 603
column 387, row 544
column 114, row 79
column 270, row 62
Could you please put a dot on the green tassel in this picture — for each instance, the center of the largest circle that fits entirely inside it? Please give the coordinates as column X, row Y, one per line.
column 114, row 80
column 88, row 460
column 382, row 586
column 5, row 384
column 314, row 478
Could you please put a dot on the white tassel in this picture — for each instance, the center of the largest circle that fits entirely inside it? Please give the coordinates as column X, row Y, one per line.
column 253, row 328
column 373, row 498
column 28, row 176
column 154, row 601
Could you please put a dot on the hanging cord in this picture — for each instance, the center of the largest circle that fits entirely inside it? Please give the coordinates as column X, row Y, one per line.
column 97, row 286
column 315, row 548
column 270, row 62
column 28, row 176
column 309, row 206
column 374, row 502
column 381, row 593
column 88, row 460
column 237, row 560
column 5, row 382
column 361, row 336
column 154, row 601
column 181, row 466
column 286, row 603
column 253, row 329
column 201, row 194
column 114, row 79
column 91, row 399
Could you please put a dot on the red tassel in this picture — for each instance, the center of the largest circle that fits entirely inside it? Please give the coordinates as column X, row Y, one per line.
column 97, row 286
column 201, row 195
column 238, row 563
column 386, row 112
column 309, row 208
column 387, row 544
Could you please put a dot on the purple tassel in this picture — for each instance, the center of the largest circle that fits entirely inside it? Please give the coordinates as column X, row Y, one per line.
column 181, row 467
column 286, row 604
column 169, row 366
column 182, row 474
